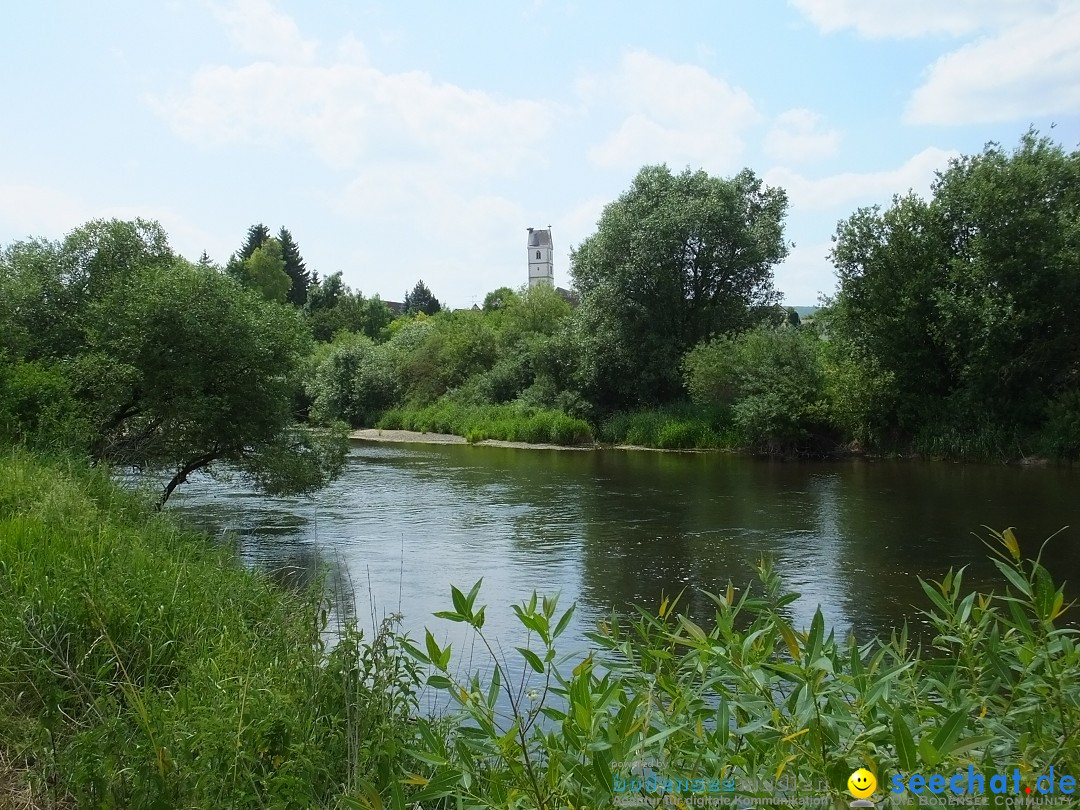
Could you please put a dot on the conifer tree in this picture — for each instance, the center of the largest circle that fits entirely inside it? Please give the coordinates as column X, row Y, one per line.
column 295, row 267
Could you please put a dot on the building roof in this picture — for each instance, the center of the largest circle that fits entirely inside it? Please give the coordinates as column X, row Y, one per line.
column 540, row 237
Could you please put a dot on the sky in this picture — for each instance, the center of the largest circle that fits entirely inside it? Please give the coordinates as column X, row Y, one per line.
column 406, row 141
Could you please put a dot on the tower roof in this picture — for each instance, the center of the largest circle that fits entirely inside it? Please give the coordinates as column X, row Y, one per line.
column 540, row 237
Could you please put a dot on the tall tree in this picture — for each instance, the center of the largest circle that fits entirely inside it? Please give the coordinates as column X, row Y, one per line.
column 675, row 260
column 963, row 305
column 264, row 270
column 421, row 300
column 175, row 367
column 257, row 235
column 295, row 268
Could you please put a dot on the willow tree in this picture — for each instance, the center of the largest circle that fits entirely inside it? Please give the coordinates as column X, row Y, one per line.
column 675, row 260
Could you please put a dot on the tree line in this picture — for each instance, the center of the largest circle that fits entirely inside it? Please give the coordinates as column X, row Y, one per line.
column 951, row 333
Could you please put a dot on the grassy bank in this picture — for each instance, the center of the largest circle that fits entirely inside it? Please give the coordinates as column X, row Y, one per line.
column 676, row 427
column 142, row 667
column 512, row 423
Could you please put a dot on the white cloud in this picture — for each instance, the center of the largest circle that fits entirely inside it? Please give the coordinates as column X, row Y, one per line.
column 418, row 158
column 1029, row 70
column 31, row 211
column 257, row 28
column 861, row 188
column 912, row 18
column 348, row 109
column 672, row 113
column 798, row 135
column 806, row 274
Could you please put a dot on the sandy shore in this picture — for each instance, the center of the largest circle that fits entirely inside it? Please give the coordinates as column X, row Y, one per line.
column 414, row 437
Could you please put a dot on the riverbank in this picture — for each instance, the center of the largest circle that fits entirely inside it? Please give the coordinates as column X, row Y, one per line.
column 141, row 665
column 418, row 437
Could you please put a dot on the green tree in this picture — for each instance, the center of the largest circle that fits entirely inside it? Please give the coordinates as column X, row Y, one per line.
column 772, row 378
column 333, row 308
column 192, row 373
column 264, row 271
column 675, row 260
column 324, row 294
column 498, row 299
column 175, row 367
column 295, row 268
column 354, row 380
column 46, row 287
column 421, row 300
column 964, row 303
column 257, row 235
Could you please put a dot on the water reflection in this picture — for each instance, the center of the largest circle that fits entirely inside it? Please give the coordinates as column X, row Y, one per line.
column 610, row 528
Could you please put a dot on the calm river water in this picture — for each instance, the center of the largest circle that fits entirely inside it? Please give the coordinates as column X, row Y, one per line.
column 609, row 528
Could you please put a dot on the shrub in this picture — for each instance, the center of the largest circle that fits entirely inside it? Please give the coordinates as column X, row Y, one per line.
column 751, row 699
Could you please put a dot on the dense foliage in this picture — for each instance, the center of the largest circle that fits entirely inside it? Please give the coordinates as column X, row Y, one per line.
column 954, row 314
column 153, row 362
column 748, row 706
column 141, row 667
column 950, row 333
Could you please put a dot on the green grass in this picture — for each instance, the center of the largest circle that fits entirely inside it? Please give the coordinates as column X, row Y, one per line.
column 676, row 427
column 512, row 422
column 141, row 666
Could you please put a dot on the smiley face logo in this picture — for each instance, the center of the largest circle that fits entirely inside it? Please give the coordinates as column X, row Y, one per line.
column 862, row 784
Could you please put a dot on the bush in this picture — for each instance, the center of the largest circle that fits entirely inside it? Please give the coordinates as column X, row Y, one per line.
column 1060, row 435
column 772, row 379
column 354, row 381
column 749, row 699
column 677, row 427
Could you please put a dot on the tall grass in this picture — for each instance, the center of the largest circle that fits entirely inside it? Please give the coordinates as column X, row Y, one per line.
column 141, row 666
column 676, row 427
column 510, row 422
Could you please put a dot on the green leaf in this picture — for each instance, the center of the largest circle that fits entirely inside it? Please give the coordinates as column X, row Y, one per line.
column 929, row 753
column 1014, row 577
column 564, row 621
column 905, row 744
column 532, row 658
column 460, row 604
column 471, row 598
column 949, row 731
column 433, row 651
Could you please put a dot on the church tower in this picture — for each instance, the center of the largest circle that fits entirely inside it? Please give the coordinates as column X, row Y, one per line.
column 541, row 266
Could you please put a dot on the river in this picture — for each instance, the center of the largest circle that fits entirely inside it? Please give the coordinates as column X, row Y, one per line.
column 609, row 528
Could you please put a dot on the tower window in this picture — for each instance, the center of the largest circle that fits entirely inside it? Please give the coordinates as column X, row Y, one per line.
column 538, row 254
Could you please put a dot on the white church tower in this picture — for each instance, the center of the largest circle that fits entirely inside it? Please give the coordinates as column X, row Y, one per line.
column 541, row 266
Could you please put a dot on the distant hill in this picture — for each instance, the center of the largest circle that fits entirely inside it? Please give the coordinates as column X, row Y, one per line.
column 804, row 311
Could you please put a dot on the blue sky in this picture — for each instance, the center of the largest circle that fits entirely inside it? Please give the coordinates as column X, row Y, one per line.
column 419, row 140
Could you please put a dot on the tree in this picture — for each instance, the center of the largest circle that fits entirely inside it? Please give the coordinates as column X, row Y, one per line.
column 188, row 371
column 257, row 235
column 324, row 294
column 332, row 308
column 264, row 271
column 174, row 367
column 964, row 303
column 295, row 268
column 499, row 299
column 675, row 260
column 47, row 287
column 354, row 381
column 421, row 300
